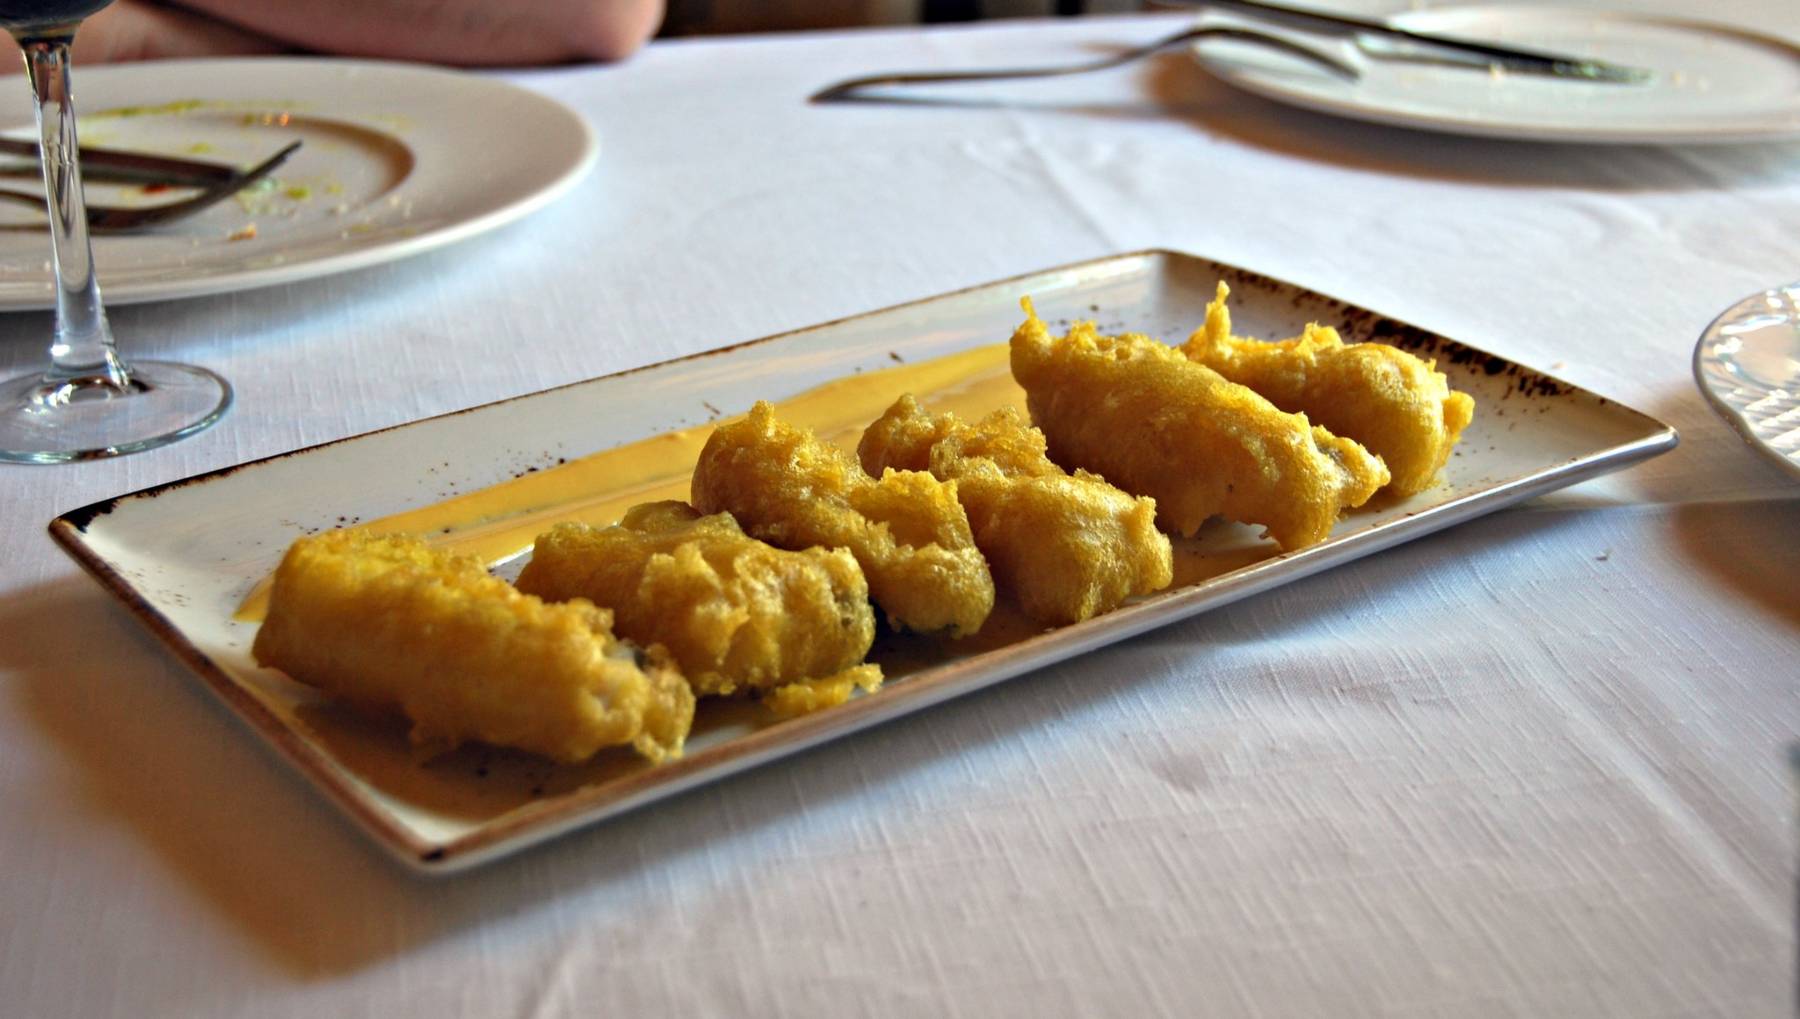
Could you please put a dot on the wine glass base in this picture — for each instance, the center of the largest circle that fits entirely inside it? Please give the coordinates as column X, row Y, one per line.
column 56, row 421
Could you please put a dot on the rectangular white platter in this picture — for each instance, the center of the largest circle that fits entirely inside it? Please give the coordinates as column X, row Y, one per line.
column 183, row 556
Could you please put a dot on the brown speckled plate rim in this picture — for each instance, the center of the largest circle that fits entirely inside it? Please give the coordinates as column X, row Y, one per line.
column 547, row 818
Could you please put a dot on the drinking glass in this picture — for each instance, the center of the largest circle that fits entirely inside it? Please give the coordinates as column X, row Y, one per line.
column 89, row 403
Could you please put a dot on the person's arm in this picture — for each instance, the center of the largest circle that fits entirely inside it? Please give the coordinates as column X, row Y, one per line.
column 497, row 32
column 467, row 32
column 133, row 30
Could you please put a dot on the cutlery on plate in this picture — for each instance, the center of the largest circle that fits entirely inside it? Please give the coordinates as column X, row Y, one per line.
column 1465, row 53
column 846, row 91
column 1469, row 51
column 118, row 167
column 103, row 219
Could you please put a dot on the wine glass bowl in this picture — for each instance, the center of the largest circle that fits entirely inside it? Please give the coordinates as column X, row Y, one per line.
column 89, row 402
column 34, row 18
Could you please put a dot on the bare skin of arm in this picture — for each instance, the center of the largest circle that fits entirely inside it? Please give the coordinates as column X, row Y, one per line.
column 458, row 32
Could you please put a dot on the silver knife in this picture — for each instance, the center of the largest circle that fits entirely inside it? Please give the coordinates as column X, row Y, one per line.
column 134, row 167
column 1503, row 57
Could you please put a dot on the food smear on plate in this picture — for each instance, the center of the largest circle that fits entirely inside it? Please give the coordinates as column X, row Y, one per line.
column 788, row 487
column 1137, row 412
column 174, row 107
column 391, row 624
column 1394, row 402
column 791, row 700
column 734, row 612
column 1066, row 547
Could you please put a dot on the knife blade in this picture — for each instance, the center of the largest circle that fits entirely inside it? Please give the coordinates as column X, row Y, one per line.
column 1505, row 57
column 134, row 167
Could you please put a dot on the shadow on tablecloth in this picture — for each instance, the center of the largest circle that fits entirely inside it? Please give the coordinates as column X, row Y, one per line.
column 148, row 751
column 151, row 754
column 1744, row 553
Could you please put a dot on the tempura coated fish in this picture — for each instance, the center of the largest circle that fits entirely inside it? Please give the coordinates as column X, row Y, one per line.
column 388, row 622
column 1395, row 403
column 792, row 490
column 1067, row 547
column 735, row 612
column 1137, row 412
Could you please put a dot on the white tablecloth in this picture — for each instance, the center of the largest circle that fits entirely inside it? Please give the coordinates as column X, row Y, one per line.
column 1538, row 765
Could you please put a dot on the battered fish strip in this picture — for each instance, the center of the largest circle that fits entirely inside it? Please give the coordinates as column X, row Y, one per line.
column 1137, row 412
column 1067, row 547
column 388, row 622
column 735, row 612
column 911, row 536
column 1395, row 403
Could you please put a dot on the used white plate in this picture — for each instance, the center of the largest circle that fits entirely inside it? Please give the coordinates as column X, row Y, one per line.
column 1748, row 364
column 183, row 555
column 398, row 159
column 1711, row 84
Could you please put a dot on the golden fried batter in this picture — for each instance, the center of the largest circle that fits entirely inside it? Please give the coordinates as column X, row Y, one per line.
column 1154, row 423
column 734, row 611
column 1067, row 547
column 1398, row 405
column 907, row 530
column 810, row 695
column 388, row 622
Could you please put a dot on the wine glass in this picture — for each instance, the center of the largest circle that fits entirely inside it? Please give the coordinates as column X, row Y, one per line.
column 89, row 403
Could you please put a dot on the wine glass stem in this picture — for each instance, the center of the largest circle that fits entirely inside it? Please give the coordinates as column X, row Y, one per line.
column 83, row 344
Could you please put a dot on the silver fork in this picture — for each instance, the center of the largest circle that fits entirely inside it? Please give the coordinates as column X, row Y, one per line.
column 103, row 219
column 846, row 91
column 1462, row 52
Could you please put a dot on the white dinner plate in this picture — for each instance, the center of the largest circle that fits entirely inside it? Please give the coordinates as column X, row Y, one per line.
column 183, row 556
column 398, row 159
column 1748, row 364
column 1710, row 83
